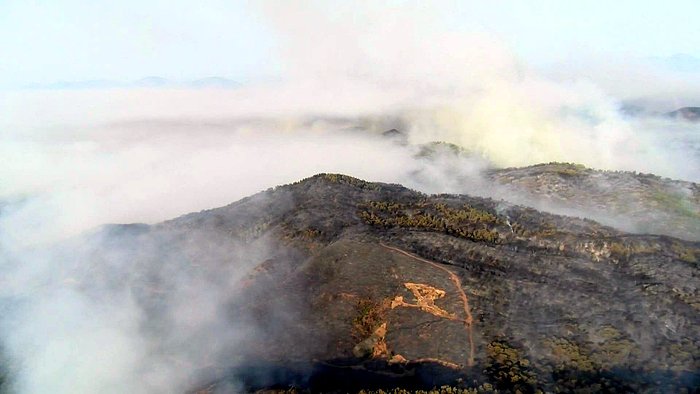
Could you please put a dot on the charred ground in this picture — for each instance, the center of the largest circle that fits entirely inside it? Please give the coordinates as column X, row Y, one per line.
column 374, row 286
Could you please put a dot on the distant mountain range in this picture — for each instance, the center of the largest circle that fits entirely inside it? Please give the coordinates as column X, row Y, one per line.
column 691, row 114
column 634, row 110
column 147, row 82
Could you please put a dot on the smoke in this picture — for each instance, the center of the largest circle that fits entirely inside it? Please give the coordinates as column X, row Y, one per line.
column 74, row 160
column 126, row 309
column 469, row 88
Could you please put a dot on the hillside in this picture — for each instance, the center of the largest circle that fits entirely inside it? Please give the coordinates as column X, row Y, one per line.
column 635, row 202
column 630, row 201
column 334, row 283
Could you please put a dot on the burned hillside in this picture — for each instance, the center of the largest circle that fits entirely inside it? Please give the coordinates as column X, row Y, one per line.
column 350, row 285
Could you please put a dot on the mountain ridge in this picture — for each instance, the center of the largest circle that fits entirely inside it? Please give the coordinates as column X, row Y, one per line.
column 552, row 297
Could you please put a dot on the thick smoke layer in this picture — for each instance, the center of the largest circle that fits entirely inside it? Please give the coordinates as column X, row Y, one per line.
column 73, row 160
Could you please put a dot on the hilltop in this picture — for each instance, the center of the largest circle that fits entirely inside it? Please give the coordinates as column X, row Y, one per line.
column 636, row 202
column 346, row 285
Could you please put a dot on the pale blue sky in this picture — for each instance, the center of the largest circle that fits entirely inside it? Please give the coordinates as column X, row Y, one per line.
column 545, row 30
column 71, row 40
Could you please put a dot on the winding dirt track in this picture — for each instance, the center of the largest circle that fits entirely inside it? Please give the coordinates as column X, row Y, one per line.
column 468, row 320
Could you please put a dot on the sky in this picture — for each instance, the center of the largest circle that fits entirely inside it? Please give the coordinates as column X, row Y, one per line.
column 44, row 42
